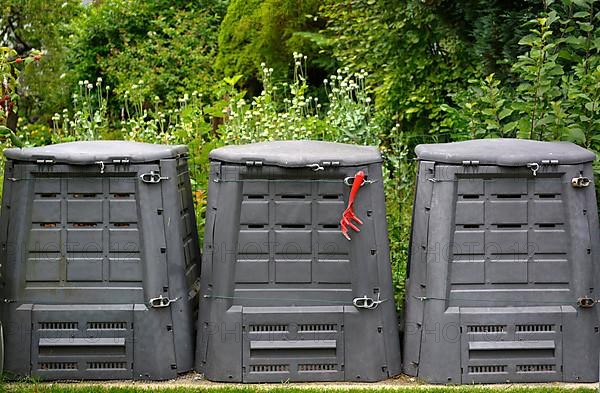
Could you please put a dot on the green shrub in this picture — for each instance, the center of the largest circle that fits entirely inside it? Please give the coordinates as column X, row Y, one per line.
column 167, row 45
column 267, row 31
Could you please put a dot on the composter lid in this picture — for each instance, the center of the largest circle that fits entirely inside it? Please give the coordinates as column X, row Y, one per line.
column 504, row 152
column 297, row 153
column 91, row 152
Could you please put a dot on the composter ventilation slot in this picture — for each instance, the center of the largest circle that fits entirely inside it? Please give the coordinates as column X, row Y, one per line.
column 58, row 326
column 534, row 328
column 487, row 369
column 486, row 328
column 84, row 195
column 107, row 366
column 293, row 196
column 57, row 366
column 107, row 325
column 317, row 367
column 268, row 328
column 269, row 368
column 320, row 327
column 509, row 196
column 536, row 368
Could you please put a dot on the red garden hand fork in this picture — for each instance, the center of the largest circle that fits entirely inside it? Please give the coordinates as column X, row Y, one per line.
column 348, row 216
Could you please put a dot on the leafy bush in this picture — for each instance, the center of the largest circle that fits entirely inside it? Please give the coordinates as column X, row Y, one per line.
column 168, row 45
column 29, row 27
column 255, row 32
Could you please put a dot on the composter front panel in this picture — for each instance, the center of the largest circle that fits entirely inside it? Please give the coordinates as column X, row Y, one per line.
column 510, row 241
column 289, row 239
column 100, row 264
column 502, row 276
column 280, row 280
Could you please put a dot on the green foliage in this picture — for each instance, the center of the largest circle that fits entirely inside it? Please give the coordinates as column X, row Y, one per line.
column 287, row 110
column 31, row 26
column 414, row 59
column 490, row 29
column 157, row 48
column 557, row 97
column 266, row 31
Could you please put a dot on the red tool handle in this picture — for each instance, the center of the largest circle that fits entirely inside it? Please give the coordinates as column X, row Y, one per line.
column 359, row 178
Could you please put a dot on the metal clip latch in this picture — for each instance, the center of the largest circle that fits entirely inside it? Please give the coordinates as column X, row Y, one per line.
column 153, row 177
column 580, row 182
column 101, row 163
column 349, row 181
column 585, row 302
column 316, row 167
column 366, row 302
column 160, row 302
column 534, row 166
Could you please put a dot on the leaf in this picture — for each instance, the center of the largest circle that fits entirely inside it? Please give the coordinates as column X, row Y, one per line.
column 576, row 134
column 16, row 141
column 581, row 14
column 233, row 80
column 11, row 135
column 528, row 40
column 504, row 113
column 524, row 124
column 585, row 26
column 582, row 3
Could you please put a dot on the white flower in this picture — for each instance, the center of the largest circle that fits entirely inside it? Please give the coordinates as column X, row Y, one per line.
column 80, row 83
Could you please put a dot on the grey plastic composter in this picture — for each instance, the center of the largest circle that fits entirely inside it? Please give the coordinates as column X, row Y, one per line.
column 99, row 253
column 504, row 264
column 280, row 280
